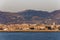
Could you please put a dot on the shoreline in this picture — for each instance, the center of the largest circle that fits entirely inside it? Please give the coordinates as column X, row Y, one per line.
column 32, row 31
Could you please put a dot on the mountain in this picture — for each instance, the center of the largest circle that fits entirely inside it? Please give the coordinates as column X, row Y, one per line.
column 56, row 16
column 30, row 16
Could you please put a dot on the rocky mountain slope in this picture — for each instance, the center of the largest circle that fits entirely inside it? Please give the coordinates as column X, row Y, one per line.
column 30, row 16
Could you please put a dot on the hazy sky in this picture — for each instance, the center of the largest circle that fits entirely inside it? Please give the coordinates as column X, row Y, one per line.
column 18, row 5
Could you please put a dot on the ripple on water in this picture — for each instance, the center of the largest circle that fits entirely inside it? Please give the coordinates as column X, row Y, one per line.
column 29, row 35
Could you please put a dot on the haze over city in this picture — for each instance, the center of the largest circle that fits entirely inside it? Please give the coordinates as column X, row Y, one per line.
column 19, row 5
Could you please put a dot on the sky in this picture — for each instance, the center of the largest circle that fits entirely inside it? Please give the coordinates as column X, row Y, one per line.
column 19, row 5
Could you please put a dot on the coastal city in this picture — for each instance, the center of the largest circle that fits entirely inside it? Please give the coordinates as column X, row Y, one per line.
column 29, row 27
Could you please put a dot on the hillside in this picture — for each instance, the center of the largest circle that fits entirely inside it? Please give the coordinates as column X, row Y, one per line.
column 30, row 16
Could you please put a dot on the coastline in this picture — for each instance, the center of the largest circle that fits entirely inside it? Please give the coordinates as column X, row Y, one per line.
column 31, row 31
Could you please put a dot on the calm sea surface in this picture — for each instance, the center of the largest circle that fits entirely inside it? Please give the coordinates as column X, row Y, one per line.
column 29, row 35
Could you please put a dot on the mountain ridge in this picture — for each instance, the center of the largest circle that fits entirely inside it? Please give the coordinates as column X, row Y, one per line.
column 30, row 16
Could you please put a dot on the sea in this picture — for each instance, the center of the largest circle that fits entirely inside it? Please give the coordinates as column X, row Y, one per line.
column 29, row 35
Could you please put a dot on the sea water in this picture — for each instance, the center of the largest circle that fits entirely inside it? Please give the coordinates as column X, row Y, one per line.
column 29, row 35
